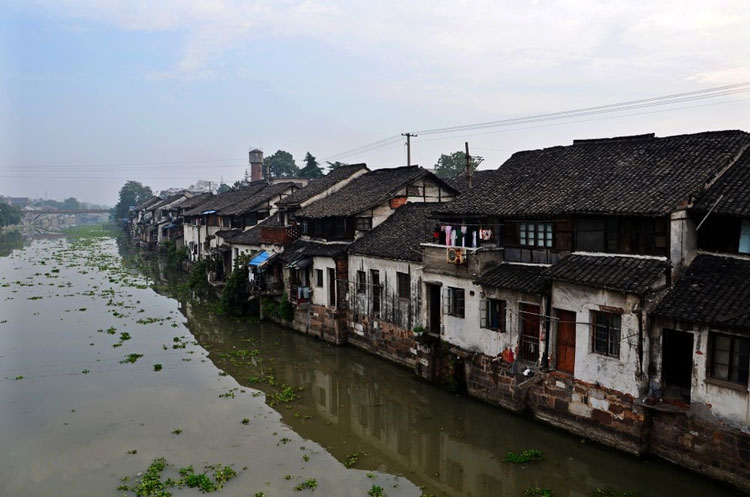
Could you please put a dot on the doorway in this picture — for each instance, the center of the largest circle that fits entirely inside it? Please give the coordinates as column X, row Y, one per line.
column 433, row 313
column 331, row 287
column 566, row 341
column 529, row 323
column 677, row 364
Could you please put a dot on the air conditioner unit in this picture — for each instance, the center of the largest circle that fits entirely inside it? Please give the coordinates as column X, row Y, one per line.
column 455, row 256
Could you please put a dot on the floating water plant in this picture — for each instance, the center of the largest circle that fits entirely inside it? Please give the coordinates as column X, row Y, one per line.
column 310, row 483
column 131, row 358
column 376, row 491
column 529, row 455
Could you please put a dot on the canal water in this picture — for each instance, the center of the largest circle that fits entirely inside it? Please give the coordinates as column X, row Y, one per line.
column 106, row 366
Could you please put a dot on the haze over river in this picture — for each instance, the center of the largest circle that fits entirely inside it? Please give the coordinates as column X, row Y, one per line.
column 104, row 368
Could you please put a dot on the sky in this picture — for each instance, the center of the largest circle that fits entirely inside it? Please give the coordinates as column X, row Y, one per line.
column 166, row 92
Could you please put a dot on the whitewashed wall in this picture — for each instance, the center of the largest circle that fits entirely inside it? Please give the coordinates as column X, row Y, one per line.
column 405, row 313
column 621, row 373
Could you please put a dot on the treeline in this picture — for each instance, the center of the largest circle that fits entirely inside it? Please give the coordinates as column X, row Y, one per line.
column 9, row 214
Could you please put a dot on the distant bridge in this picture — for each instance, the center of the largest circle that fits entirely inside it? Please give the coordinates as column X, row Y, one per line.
column 71, row 211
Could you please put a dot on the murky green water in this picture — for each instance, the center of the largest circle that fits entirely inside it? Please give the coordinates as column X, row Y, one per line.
column 67, row 426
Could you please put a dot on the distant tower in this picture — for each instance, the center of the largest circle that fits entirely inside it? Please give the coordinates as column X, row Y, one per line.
column 256, row 165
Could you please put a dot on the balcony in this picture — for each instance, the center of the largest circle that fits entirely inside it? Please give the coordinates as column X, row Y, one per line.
column 279, row 235
column 474, row 262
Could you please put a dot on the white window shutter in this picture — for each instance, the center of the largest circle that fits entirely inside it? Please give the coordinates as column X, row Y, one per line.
column 483, row 313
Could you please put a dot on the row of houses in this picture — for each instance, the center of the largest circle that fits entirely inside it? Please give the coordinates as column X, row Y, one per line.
column 602, row 287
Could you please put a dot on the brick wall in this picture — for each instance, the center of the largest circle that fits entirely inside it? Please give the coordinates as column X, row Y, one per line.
column 322, row 322
column 382, row 338
column 704, row 445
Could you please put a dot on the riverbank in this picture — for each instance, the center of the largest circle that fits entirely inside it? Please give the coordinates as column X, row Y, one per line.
column 452, row 424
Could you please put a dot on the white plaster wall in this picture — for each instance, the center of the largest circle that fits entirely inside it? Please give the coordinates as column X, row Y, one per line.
column 467, row 332
column 190, row 234
column 727, row 403
column 610, row 372
column 388, row 280
column 683, row 239
column 320, row 294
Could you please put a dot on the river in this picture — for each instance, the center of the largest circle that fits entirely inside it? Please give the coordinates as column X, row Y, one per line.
column 105, row 366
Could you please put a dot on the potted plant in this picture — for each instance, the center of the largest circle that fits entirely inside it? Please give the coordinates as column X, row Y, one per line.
column 418, row 331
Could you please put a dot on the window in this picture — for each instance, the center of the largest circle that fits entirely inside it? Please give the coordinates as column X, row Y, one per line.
column 455, row 302
column 535, row 234
column 745, row 237
column 606, row 333
column 319, row 278
column 375, row 282
column 403, row 282
column 492, row 314
column 730, row 358
column 361, row 282
column 364, row 223
column 413, row 191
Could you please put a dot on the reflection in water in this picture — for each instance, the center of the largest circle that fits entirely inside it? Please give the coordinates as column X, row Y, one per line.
column 10, row 241
column 353, row 403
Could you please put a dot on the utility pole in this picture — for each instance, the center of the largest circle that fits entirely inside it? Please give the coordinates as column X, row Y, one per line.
column 408, row 146
column 468, row 164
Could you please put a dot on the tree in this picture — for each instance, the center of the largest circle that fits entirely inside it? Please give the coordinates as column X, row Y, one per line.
column 9, row 214
column 450, row 166
column 71, row 204
column 311, row 169
column 335, row 165
column 131, row 194
column 223, row 188
column 281, row 165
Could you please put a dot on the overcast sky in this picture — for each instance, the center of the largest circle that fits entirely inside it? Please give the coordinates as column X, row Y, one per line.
column 94, row 93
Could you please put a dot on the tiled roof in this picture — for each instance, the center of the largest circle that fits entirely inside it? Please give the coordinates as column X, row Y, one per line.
column 630, row 175
column 461, row 182
column 302, row 248
column 399, row 236
column 251, row 236
column 366, row 191
column 320, row 185
column 256, row 198
column 731, row 193
column 226, row 199
column 195, row 201
column 520, row 277
column 626, row 274
column 147, row 203
column 714, row 290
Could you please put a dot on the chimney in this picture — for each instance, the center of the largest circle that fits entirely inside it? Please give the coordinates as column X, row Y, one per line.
column 256, row 165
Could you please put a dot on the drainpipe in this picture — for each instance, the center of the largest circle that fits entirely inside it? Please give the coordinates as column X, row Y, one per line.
column 640, row 336
column 547, row 314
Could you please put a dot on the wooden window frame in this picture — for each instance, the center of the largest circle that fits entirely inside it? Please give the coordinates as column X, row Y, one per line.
column 319, row 278
column 455, row 302
column 736, row 373
column 363, row 223
column 485, row 314
column 606, row 332
column 361, row 281
column 531, row 232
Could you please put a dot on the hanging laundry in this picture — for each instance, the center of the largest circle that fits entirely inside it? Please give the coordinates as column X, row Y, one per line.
column 459, row 237
column 449, row 236
column 441, row 240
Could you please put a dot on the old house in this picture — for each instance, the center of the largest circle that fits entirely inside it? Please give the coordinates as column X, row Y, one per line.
column 701, row 339
column 607, row 224
column 345, row 215
column 386, row 283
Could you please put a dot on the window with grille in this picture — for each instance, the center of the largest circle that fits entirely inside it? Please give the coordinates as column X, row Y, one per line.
column 606, row 333
column 729, row 358
column 535, row 234
column 361, row 282
column 403, row 282
column 364, row 223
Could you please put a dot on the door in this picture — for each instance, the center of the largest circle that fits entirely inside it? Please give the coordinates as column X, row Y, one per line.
column 566, row 341
column 433, row 292
column 529, row 323
column 677, row 364
column 331, row 287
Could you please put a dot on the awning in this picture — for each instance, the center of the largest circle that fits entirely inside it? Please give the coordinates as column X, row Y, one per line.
column 300, row 264
column 259, row 259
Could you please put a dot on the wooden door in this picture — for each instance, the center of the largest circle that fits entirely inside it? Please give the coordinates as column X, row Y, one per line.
column 530, row 320
column 566, row 341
